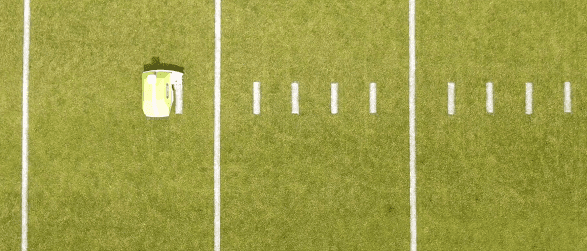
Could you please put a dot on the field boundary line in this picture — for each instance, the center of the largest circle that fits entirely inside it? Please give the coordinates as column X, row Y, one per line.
column 412, row 104
column 25, row 124
column 217, row 54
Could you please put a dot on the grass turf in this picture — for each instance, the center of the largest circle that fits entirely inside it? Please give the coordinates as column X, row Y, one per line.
column 507, row 180
column 103, row 177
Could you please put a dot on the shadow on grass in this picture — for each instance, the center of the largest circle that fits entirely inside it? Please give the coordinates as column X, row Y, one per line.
column 157, row 65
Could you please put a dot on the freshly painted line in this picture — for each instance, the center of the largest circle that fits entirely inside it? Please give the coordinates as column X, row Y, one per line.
column 25, row 124
column 451, row 98
column 568, row 97
column 528, row 98
column 334, row 98
column 256, row 98
column 178, row 86
column 217, row 50
column 373, row 98
column 412, row 105
column 295, row 104
column 489, row 97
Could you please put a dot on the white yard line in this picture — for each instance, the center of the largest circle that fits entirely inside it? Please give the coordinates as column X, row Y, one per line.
column 528, row 98
column 568, row 97
column 217, row 34
column 334, row 98
column 412, row 104
column 256, row 98
column 451, row 98
column 373, row 98
column 25, row 124
column 489, row 102
column 295, row 97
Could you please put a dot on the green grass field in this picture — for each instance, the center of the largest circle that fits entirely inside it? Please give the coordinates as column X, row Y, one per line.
column 103, row 177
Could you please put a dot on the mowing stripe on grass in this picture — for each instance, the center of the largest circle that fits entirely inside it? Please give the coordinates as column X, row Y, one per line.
column 256, row 98
column 568, row 97
column 528, row 98
column 25, row 124
column 295, row 105
column 373, row 98
column 217, row 33
column 489, row 97
column 334, row 98
column 451, row 98
column 412, row 105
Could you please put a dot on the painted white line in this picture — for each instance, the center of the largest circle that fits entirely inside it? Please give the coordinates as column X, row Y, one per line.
column 451, row 98
column 412, row 104
column 334, row 98
column 528, row 98
column 295, row 104
column 489, row 97
column 373, row 98
column 568, row 97
column 256, row 98
column 178, row 86
column 25, row 124
column 217, row 50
